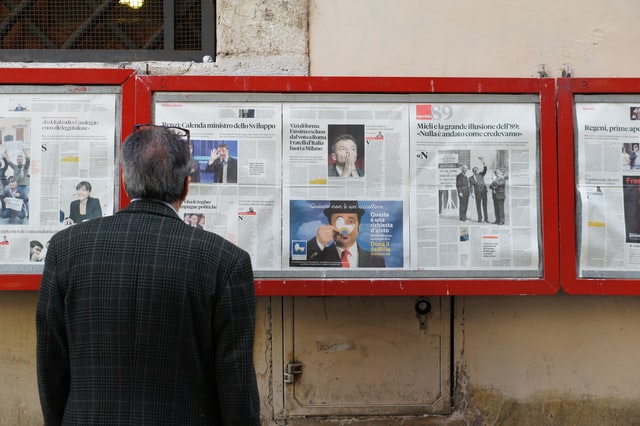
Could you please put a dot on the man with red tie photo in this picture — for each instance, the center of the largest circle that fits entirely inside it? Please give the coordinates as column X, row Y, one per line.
column 335, row 244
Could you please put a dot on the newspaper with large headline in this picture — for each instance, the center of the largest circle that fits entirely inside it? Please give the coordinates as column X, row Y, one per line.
column 235, row 186
column 474, row 189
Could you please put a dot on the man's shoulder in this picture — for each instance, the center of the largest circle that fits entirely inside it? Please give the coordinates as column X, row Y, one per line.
column 173, row 232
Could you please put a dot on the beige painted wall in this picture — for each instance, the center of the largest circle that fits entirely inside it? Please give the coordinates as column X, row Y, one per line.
column 19, row 404
column 467, row 38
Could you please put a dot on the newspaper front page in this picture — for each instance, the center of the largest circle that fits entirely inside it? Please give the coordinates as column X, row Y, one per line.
column 57, row 168
column 235, row 186
column 608, row 188
column 474, row 194
column 345, row 186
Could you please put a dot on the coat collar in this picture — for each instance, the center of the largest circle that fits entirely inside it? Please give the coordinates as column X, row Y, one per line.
column 158, row 207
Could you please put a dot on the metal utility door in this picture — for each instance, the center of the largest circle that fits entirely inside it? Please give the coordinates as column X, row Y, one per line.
column 362, row 356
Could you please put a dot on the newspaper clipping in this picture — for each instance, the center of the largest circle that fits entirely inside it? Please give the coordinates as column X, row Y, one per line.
column 57, row 168
column 235, row 181
column 345, row 185
column 608, row 188
column 474, row 196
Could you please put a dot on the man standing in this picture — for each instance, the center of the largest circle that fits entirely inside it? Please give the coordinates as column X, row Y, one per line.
column 499, row 195
column 20, row 170
column 464, row 190
column 344, row 153
column 480, row 191
column 222, row 165
column 335, row 244
column 142, row 319
column 15, row 203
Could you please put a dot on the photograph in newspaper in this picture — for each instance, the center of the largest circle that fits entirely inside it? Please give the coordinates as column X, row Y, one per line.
column 248, row 222
column 474, row 200
column 235, row 188
column 24, row 248
column 57, row 167
column 333, row 149
column 82, row 200
column 346, row 234
column 346, row 158
column 231, row 143
column 631, row 197
column 608, row 184
column 221, row 158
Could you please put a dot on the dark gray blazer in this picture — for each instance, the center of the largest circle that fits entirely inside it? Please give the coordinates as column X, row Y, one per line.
column 144, row 320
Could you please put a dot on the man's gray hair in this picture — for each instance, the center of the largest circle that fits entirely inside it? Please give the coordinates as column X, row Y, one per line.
column 155, row 164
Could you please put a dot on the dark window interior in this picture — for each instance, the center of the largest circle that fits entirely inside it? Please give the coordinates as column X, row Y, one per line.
column 106, row 30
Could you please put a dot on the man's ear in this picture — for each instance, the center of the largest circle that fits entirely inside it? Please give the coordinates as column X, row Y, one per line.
column 124, row 185
column 333, row 156
column 185, row 192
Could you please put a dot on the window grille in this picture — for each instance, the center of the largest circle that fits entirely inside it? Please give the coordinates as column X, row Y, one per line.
column 106, row 30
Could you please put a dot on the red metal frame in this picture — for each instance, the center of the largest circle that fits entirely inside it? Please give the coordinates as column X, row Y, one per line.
column 78, row 78
column 567, row 89
column 544, row 88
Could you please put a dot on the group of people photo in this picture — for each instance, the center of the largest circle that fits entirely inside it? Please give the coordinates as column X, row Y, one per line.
column 476, row 186
column 14, row 176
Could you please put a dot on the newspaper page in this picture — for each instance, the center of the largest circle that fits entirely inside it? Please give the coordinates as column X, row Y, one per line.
column 345, row 186
column 57, row 168
column 608, row 189
column 474, row 197
column 235, row 186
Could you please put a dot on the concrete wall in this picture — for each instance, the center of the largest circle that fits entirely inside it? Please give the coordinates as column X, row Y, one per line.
column 557, row 360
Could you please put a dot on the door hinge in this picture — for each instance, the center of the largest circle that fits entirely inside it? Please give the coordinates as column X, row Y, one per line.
column 290, row 370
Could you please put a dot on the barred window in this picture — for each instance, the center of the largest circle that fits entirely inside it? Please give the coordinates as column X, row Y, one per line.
column 106, row 30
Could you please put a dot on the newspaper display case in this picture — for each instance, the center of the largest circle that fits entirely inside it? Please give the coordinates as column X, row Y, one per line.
column 389, row 167
column 599, row 183
column 59, row 130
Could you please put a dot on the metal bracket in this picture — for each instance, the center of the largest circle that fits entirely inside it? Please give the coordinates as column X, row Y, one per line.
column 290, row 370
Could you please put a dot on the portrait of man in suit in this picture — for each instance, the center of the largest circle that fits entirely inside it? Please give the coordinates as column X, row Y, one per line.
column 224, row 167
column 346, row 150
column 344, row 154
column 335, row 244
column 142, row 318
column 497, row 187
column 464, row 191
